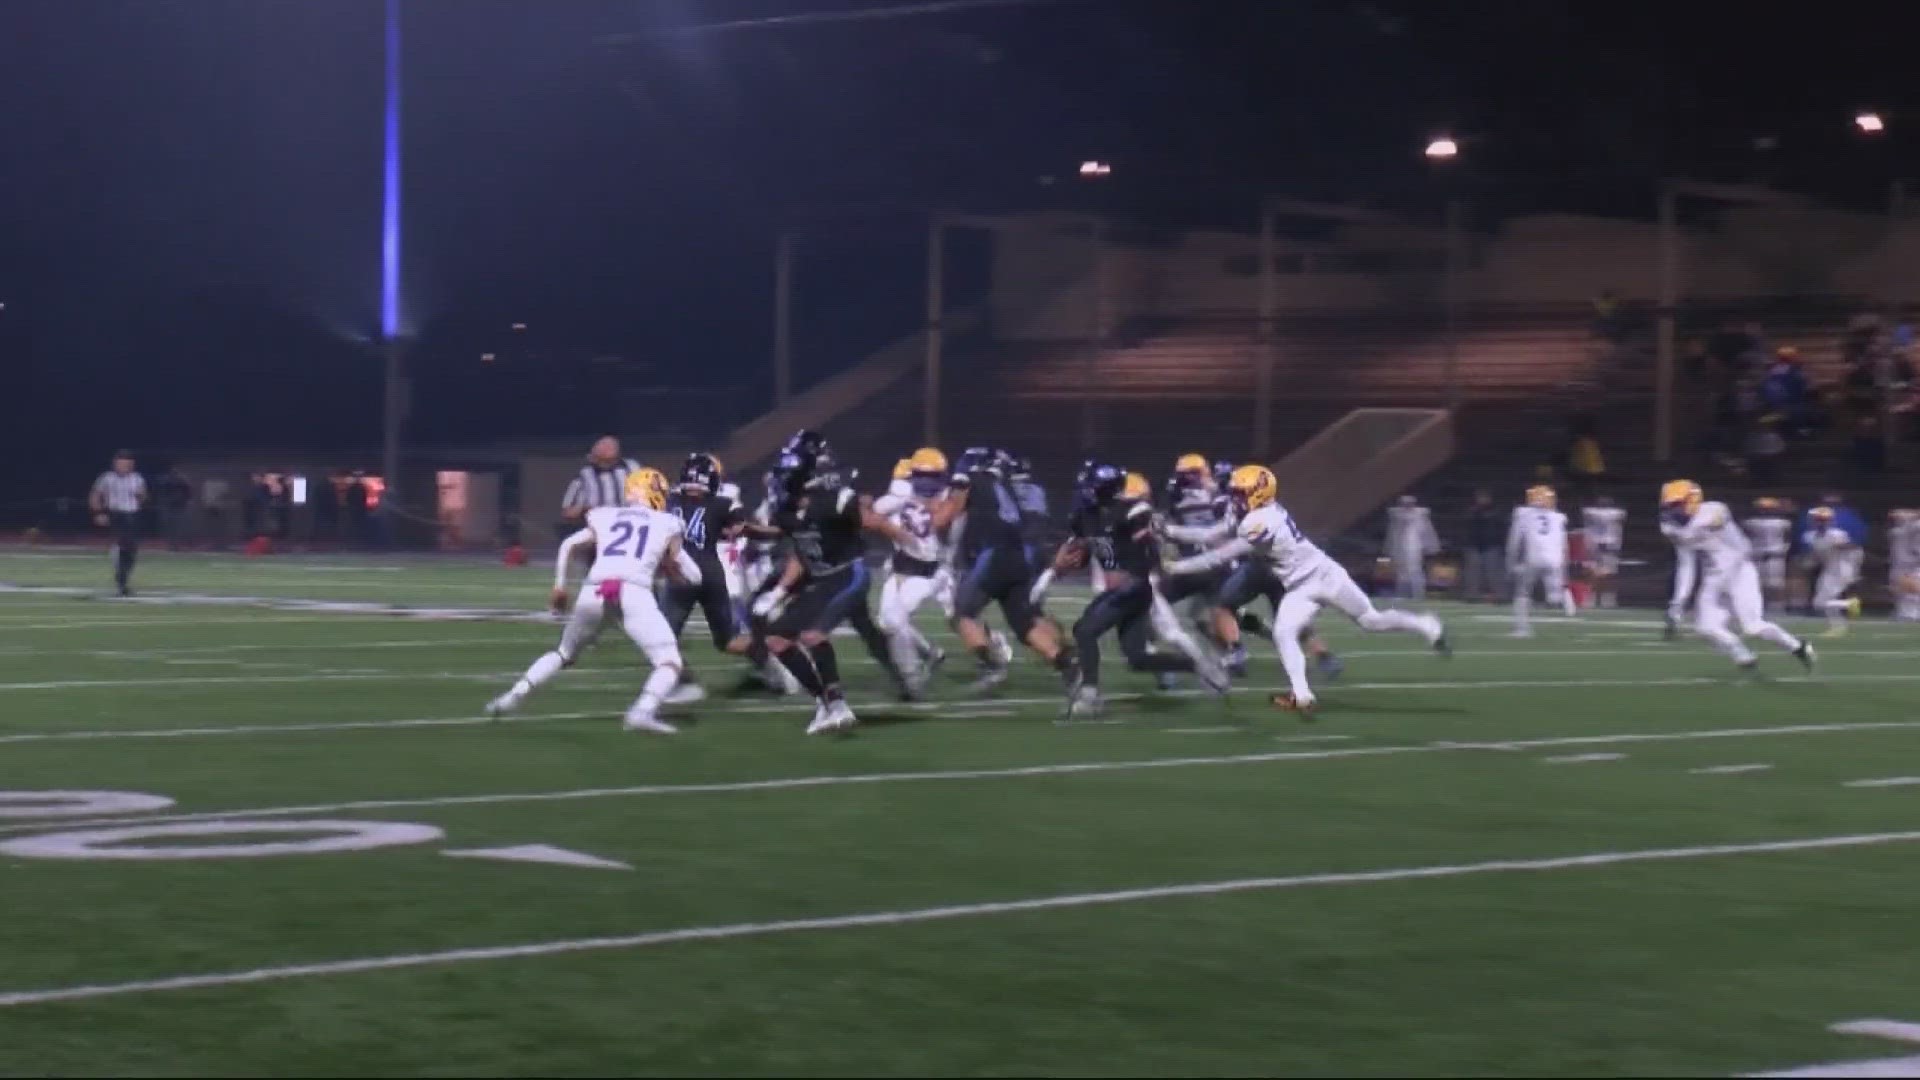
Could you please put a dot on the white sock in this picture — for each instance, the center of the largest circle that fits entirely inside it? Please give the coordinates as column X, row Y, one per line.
column 543, row 669
column 1294, row 660
column 1836, row 613
column 659, row 682
column 1724, row 640
column 1566, row 602
column 1767, row 631
column 1379, row 620
column 1521, row 605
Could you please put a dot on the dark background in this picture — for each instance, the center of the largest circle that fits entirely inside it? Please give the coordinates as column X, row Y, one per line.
column 190, row 189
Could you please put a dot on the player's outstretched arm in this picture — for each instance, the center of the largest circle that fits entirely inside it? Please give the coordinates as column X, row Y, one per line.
column 1236, row 548
column 680, row 565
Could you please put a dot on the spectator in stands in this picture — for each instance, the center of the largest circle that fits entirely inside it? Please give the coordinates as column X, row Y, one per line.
column 1485, row 550
column 1784, row 391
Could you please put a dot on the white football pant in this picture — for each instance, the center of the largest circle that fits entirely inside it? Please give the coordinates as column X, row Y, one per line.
column 1331, row 586
column 1737, row 592
column 900, row 597
column 1550, row 578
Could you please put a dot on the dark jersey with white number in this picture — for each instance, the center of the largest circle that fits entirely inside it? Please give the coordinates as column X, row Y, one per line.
column 705, row 520
column 995, row 521
column 825, row 530
column 1119, row 535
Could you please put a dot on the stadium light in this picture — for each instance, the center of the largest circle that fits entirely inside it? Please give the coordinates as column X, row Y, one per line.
column 1095, row 168
column 1870, row 123
column 1442, row 148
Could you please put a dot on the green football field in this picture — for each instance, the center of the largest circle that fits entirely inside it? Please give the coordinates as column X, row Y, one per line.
column 1589, row 853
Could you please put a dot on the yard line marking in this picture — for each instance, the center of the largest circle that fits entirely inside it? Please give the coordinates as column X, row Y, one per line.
column 1884, row 781
column 1730, row 770
column 910, row 916
column 1313, row 738
column 1071, row 768
column 1216, row 729
column 1897, row 1030
column 1580, row 759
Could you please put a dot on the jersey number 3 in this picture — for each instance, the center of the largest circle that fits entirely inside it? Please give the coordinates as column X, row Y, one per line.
column 623, row 532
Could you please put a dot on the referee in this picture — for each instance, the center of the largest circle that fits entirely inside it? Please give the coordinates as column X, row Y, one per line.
column 116, row 500
column 602, row 481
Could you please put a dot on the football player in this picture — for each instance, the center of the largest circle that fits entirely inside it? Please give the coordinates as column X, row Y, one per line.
column 709, row 521
column 1605, row 525
column 1903, row 563
column 1729, row 581
column 1114, row 528
column 1194, row 507
column 1311, row 579
column 993, row 550
column 825, row 579
column 1410, row 539
column 1537, row 555
column 1838, row 559
column 919, row 571
column 1771, row 530
column 630, row 545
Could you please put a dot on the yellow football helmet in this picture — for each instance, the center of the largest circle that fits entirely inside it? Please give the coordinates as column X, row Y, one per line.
column 1767, row 504
column 1192, row 463
column 1253, row 486
column 902, row 469
column 647, row 486
column 1136, row 488
column 1681, row 494
column 927, row 459
column 1821, row 514
column 1902, row 517
column 1542, row 497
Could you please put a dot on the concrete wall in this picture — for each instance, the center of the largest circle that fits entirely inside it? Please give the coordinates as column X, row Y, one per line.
column 1542, row 261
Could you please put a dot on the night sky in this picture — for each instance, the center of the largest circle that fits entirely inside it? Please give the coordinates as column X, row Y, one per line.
column 190, row 189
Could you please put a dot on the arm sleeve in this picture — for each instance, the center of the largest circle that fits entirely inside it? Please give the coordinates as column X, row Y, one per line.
column 565, row 555
column 886, row 504
column 575, row 496
column 1514, row 537
column 1237, row 548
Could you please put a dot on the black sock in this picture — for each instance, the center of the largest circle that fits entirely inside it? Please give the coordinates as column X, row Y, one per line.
column 984, row 654
column 796, row 660
column 757, row 653
column 829, row 665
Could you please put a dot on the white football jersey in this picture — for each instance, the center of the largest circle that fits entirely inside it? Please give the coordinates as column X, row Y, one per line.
column 905, row 508
column 1604, row 525
column 1903, row 543
column 1713, row 532
column 1538, row 535
column 629, row 542
column 1769, row 534
column 1834, row 550
column 1273, row 535
column 1411, row 528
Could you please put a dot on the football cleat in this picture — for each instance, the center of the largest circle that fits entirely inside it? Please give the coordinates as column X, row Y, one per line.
column 1086, row 703
column 686, row 692
column 1806, row 656
column 1002, row 650
column 503, row 705
column 647, row 722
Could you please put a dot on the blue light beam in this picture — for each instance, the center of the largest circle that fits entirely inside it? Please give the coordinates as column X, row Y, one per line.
column 390, row 203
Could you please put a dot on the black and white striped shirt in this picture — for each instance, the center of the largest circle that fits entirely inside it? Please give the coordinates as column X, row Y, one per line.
column 120, row 493
column 595, row 486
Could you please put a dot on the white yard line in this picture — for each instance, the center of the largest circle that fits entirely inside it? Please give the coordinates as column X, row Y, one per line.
column 910, row 916
column 1581, row 759
column 1884, row 781
column 1730, row 770
column 1009, row 772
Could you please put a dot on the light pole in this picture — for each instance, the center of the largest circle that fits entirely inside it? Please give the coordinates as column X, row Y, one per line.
column 1442, row 151
column 394, row 398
